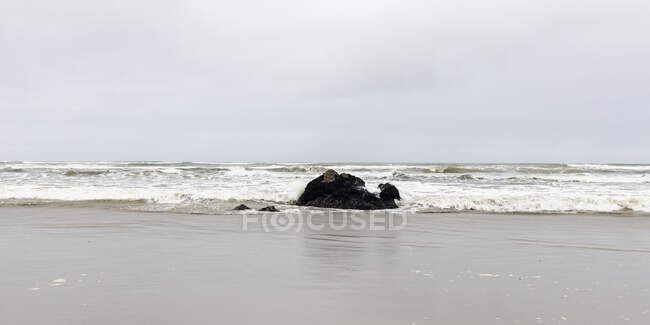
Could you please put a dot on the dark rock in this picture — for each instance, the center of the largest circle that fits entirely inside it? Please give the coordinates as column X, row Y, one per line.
column 241, row 207
column 269, row 208
column 388, row 192
column 345, row 191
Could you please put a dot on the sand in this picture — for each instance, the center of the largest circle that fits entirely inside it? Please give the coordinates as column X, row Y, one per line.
column 91, row 266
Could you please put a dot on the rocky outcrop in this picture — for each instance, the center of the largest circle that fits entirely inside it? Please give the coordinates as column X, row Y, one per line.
column 345, row 191
column 241, row 207
column 269, row 208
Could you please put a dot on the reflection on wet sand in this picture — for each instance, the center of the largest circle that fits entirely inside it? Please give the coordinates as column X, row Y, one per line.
column 80, row 266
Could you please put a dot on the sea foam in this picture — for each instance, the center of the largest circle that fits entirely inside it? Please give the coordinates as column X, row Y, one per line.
column 205, row 187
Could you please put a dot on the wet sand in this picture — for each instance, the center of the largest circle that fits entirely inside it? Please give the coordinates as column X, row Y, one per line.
column 90, row 266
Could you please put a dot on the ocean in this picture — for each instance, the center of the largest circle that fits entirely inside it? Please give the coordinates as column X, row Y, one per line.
column 215, row 188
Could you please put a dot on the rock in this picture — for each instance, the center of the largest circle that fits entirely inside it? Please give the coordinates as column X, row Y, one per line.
column 389, row 192
column 329, row 176
column 345, row 191
column 241, row 207
column 269, row 208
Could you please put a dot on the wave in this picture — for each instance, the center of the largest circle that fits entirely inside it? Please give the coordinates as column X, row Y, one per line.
column 206, row 169
column 186, row 206
column 460, row 170
column 12, row 170
column 401, row 176
column 158, row 164
column 209, row 202
column 73, row 172
column 536, row 203
column 10, row 162
column 584, row 169
column 525, row 169
column 468, row 170
column 563, row 170
column 219, row 206
column 295, row 169
column 71, row 203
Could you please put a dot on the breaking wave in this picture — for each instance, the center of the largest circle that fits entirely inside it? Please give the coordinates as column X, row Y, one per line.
column 536, row 204
column 12, row 170
column 297, row 169
column 524, row 169
column 85, row 172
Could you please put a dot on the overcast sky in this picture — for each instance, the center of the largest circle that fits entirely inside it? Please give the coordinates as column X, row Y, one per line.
column 334, row 80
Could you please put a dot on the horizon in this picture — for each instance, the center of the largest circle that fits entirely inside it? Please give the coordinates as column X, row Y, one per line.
column 325, row 162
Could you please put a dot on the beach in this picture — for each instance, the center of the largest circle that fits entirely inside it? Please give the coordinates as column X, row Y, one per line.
column 76, row 265
column 324, row 162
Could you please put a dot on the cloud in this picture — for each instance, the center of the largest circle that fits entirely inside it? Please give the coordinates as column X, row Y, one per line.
column 325, row 80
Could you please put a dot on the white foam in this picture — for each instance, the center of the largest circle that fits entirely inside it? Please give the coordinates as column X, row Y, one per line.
column 488, row 275
column 491, row 188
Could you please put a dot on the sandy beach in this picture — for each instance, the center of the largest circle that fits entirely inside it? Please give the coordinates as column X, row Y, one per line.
column 93, row 266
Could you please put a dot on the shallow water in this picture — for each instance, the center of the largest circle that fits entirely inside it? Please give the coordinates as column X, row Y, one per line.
column 90, row 266
column 215, row 188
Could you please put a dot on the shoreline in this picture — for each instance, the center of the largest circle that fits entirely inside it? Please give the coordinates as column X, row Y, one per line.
column 119, row 205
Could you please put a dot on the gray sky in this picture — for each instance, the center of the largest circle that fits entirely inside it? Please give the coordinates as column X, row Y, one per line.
column 335, row 80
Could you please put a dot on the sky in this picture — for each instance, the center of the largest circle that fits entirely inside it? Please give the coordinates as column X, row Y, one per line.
column 325, row 81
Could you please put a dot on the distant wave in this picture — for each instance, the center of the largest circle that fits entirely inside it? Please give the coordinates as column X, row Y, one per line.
column 12, row 170
column 159, row 164
column 298, row 169
column 206, row 169
column 546, row 169
column 461, row 170
column 73, row 172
